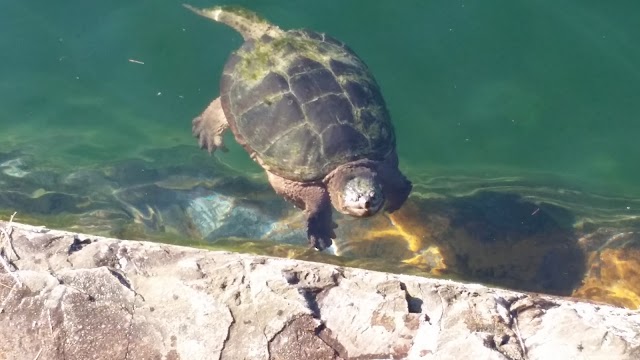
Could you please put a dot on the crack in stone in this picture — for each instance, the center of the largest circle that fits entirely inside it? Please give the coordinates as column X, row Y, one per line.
column 122, row 278
column 77, row 244
column 63, row 333
column 508, row 311
column 324, row 334
column 7, row 263
column 130, row 330
column 291, row 277
column 226, row 340
column 203, row 274
column 414, row 304
column 6, row 299
column 69, row 286
column 8, row 238
column 320, row 331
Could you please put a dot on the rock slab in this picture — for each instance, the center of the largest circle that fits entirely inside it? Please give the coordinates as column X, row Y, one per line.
column 74, row 296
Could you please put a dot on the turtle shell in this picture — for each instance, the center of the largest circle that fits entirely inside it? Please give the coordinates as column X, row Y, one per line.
column 304, row 103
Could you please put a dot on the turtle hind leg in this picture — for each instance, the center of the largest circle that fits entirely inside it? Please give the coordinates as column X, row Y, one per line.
column 209, row 127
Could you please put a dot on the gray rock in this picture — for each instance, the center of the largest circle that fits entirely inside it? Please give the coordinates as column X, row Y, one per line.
column 77, row 296
column 219, row 216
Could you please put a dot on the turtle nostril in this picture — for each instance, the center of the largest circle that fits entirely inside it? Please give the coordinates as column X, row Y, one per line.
column 367, row 204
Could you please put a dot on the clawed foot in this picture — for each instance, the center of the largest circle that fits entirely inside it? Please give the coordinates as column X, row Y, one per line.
column 209, row 127
column 320, row 231
column 208, row 139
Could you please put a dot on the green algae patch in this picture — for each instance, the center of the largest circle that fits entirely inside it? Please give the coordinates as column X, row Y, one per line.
column 242, row 12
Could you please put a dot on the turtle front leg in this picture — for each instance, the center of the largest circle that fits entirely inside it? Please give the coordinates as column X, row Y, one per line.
column 313, row 199
column 209, row 127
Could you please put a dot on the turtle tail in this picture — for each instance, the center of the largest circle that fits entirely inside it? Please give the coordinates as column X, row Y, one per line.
column 249, row 24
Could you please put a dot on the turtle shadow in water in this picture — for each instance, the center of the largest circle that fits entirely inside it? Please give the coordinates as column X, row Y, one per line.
column 505, row 240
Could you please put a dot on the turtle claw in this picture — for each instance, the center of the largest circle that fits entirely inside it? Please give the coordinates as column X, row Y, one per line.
column 320, row 243
column 209, row 127
column 320, row 232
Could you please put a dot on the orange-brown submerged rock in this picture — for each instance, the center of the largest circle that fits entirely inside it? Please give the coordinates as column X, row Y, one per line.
column 613, row 277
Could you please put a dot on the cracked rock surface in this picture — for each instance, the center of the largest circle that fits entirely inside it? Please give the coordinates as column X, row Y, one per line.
column 75, row 296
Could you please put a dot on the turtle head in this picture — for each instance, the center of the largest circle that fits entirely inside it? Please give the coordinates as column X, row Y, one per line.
column 356, row 191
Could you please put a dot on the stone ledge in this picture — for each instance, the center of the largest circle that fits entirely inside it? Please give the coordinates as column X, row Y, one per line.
column 76, row 296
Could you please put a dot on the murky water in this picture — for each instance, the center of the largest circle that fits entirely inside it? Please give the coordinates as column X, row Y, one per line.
column 535, row 99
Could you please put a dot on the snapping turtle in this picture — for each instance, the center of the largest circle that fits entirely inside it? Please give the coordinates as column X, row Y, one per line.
column 307, row 109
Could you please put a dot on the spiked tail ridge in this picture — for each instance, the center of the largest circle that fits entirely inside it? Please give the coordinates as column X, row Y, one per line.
column 249, row 24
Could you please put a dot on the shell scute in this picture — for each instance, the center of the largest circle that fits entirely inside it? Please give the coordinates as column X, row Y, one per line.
column 311, row 85
column 340, row 68
column 332, row 109
column 343, row 142
column 243, row 98
column 363, row 94
column 303, row 65
column 264, row 123
column 293, row 156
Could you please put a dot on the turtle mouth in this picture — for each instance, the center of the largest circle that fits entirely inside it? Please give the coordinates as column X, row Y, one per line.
column 359, row 212
column 362, row 204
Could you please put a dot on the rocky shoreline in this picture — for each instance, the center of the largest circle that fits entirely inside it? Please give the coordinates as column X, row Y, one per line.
column 77, row 296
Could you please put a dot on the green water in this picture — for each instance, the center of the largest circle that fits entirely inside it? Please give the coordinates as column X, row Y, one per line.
column 487, row 88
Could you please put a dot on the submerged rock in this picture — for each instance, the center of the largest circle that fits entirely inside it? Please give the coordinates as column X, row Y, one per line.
column 613, row 273
column 78, row 296
column 218, row 216
column 13, row 167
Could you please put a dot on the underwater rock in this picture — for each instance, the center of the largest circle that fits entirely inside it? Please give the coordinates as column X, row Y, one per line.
column 613, row 277
column 81, row 296
column 613, row 272
column 89, row 180
column 211, row 209
column 43, row 202
column 133, row 172
column 218, row 216
column 610, row 237
column 13, row 167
